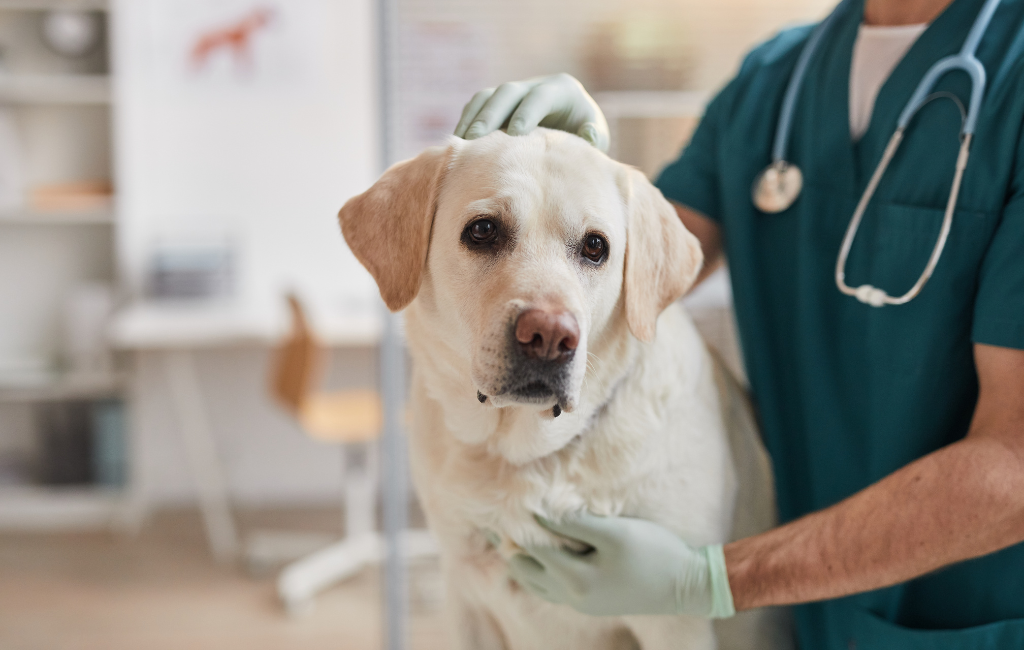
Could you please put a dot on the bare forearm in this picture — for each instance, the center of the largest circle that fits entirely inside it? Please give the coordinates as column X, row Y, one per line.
column 962, row 501
column 710, row 236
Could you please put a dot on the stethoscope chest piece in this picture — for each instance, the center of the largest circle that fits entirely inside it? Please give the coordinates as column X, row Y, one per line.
column 777, row 187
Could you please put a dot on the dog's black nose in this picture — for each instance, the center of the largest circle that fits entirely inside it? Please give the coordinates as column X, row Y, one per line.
column 551, row 335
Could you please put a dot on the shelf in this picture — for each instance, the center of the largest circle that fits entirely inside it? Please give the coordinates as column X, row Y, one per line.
column 41, row 388
column 652, row 104
column 46, row 5
column 58, row 218
column 54, row 88
column 50, row 508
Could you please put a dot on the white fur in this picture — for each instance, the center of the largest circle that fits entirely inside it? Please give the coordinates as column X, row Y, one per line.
column 642, row 432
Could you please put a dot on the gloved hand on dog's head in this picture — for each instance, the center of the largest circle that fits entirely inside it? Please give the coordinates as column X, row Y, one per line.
column 557, row 102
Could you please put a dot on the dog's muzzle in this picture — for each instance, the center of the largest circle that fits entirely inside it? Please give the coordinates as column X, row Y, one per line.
column 542, row 344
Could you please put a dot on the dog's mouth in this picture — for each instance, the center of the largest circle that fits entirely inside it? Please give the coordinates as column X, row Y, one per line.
column 523, row 380
column 537, row 391
column 534, row 392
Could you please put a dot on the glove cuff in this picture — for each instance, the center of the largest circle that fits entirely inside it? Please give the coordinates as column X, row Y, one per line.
column 722, row 605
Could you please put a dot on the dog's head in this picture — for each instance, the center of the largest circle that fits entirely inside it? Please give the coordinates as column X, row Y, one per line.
column 526, row 250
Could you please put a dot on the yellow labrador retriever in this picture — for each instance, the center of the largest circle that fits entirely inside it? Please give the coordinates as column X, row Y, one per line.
column 552, row 374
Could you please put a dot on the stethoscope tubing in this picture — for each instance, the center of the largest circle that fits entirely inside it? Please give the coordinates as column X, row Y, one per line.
column 967, row 61
column 796, row 79
column 867, row 293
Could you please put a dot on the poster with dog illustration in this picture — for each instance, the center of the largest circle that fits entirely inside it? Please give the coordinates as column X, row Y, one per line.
column 236, row 44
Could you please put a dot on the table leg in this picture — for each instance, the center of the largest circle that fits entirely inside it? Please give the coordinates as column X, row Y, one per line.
column 197, row 438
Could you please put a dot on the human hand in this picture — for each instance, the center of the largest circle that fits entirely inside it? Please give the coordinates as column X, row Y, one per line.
column 557, row 102
column 635, row 567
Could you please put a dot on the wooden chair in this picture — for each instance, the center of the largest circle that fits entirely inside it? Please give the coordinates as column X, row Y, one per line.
column 352, row 419
column 349, row 416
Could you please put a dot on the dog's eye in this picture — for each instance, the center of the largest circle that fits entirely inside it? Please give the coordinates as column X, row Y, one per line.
column 595, row 248
column 482, row 231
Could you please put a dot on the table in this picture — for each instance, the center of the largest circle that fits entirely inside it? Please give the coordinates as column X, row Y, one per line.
column 176, row 331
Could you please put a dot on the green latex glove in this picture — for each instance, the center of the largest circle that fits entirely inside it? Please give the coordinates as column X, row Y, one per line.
column 636, row 567
column 556, row 102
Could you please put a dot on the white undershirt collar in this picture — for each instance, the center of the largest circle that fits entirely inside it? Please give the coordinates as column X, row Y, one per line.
column 876, row 52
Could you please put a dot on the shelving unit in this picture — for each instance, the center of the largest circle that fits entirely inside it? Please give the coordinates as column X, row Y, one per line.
column 60, row 109
column 50, row 507
column 58, row 218
column 55, row 88
column 62, row 387
column 46, row 508
column 42, row 5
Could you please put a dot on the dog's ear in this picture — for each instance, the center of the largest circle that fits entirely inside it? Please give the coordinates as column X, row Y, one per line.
column 662, row 257
column 388, row 225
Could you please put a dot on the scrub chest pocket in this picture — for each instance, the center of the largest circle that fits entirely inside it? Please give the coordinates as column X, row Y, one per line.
column 899, row 239
column 903, row 238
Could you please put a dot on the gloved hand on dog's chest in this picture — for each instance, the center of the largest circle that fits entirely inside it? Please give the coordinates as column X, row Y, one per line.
column 636, row 567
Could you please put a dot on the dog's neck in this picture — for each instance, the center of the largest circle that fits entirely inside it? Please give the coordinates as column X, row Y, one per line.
column 518, row 434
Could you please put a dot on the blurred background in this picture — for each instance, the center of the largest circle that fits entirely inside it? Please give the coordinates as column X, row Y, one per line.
column 185, row 460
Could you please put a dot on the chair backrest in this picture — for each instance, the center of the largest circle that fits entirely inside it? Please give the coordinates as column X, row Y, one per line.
column 339, row 416
column 298, row 364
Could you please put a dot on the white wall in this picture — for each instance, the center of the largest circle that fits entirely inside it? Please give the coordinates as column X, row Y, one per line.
column 263, row 154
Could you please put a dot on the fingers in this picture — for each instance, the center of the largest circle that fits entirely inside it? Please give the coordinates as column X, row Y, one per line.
column 560, row 563
column 531, row 575
column 536, row 105
column 555, row 101
column 470, row 110
column 567, row 574
column 551, row 573
column 526, row 569
column 497, row 109
column 587, row 528
column 592, row 133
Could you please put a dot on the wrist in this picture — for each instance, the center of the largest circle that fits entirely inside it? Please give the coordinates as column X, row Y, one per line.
column 749, row 570
column 702, row 584
column 722, row 604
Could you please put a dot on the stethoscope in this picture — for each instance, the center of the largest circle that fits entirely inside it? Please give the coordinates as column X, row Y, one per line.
column 779, row 185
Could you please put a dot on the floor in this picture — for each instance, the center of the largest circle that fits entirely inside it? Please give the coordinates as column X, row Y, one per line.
column 161, row 591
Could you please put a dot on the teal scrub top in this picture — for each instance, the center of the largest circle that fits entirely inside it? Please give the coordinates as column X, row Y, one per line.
column 848, row 393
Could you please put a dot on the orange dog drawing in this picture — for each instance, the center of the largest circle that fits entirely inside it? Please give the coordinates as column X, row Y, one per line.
column 236, row 37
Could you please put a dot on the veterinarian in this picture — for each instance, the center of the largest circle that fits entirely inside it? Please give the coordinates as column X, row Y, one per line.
column 896, row 431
